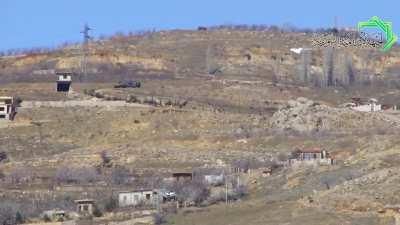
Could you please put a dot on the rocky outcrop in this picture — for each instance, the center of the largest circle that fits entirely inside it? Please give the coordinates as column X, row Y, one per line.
column 304, row 115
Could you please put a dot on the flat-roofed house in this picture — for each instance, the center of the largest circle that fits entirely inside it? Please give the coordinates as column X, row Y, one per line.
column 85, row 206
column 311, row 156
column 136, row 197
column 8, row 108
column 64, row 81
column 371, row 106
column 183, row 176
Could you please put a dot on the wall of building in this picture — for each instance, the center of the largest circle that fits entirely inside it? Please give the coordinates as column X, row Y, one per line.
column 314, row 162
column 135, row 198
column 368, row 108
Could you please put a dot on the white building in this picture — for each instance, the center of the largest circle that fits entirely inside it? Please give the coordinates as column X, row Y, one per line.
column 8, row 108
column 135, row 198
column 371, row 106
column 315, row 156
column 64, row 81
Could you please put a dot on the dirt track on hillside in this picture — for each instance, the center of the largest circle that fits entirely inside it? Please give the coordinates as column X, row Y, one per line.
column 79, row 103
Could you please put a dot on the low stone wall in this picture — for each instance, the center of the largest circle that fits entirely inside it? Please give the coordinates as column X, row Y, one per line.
column 142, row 220
column 78, row 103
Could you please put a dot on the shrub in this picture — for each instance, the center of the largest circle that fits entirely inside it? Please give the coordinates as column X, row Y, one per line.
column 90, row 92
column 19, row 218
column 159, row 218
column 106, row 159
column 97, row 212
column 77, row 175
column 242, row 164
column 240, row 191
column 7, row 213
column 46, row 218
column 18, row 101
column 111, row 204
column 194, row 191
column 20, row 175
column 3, row 156
column 218, row 197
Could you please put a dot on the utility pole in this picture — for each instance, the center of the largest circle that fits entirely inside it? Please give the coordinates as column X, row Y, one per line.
column 226, row 191
column 336, row 22
column 85, row 49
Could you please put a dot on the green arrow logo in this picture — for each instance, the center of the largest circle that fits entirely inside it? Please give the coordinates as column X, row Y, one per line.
column 386, row 27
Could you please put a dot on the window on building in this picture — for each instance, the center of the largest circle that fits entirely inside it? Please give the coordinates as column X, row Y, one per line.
column 307, row 156
column 148, row 196
column 2, row 109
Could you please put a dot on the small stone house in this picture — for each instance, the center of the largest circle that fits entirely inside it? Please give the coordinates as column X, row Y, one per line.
column 371, row 106
column 54, row 214
column 182, row 177
column 85, row 206
column 265, row 171
column 137, row 197
column 8, row 108
column 314, row 156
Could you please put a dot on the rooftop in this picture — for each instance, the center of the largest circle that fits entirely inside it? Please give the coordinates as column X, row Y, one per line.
column 82, row 201
column 5, row 98
column 311, row 150
column 135, row 191
column 64, row 73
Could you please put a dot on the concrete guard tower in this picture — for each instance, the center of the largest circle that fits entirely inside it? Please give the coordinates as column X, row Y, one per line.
column 64, row 81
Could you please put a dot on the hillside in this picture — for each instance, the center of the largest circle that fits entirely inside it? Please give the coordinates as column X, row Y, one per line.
column 208, row 99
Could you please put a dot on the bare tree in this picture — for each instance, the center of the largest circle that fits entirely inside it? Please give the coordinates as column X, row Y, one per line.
column 87, row 175
column 105, row 159
column 240, row 191
column 64, row 175
column 194, row 191
column 159, row 218
column 211, row 62
column 328, row 78
column 77, row 175
column 8, row 213
column 20, row 175
column 242, row 165
column 305, row 66
column 120, row 175
column 350, row 70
